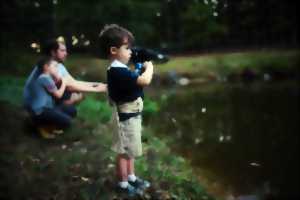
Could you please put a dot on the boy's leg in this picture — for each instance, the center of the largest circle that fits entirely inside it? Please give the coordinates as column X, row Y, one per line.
column 130, row 170
column 130, row 166
column 122, row 173
column 122, row 167
column 132, row 179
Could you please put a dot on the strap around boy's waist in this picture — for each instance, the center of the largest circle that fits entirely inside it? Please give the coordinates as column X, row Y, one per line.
column 125, row 116
column 135, row 106
column 130, row 109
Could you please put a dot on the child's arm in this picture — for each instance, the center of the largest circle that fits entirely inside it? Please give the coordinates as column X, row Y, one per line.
column 59, row 92
column 146, row 77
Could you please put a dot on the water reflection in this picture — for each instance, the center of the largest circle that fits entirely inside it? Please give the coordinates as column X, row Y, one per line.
column 242, row 139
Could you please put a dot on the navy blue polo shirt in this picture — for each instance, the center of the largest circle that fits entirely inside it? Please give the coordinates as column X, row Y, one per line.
column 122, row 83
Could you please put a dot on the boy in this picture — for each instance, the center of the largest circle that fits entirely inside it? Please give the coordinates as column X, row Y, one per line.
column 125, row 89
column 40, row 92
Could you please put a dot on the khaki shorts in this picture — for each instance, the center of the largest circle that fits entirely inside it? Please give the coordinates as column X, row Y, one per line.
column 127, row 137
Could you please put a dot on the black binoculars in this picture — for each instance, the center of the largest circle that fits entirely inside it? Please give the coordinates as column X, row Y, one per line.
column 140, row 55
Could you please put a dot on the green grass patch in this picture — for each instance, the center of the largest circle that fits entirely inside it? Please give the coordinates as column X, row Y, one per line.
column 168, row 171
column 225, row 63
column 11, row 89
column 94, row 109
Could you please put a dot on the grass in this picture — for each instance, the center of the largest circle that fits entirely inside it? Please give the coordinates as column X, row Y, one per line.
column 224, row 64
column 79, row 164
column 11, row 89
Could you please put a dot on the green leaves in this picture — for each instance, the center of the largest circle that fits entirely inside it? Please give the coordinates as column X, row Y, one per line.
column 94, row 110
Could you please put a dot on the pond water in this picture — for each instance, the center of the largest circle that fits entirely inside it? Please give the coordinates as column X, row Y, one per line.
column 241, row 139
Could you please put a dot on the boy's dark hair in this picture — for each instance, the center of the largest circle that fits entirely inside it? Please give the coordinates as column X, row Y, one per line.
column 50, row 45
column 113, row 35
column 43, row 61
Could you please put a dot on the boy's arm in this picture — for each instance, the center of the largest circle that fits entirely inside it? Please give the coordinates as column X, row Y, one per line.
column 59, row 92
column 49, row 84
column 146, row 77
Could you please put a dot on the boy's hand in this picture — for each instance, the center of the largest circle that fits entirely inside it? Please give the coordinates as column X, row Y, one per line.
column 147, row 64
column 56, row 78
column 146, row 77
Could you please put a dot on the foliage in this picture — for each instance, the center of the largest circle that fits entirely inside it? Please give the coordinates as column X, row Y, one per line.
column 17, row 62
column 11, row 89
column 168, row 24
column 200, row 26
column 94, row 110
column 150, row 107
column 125, row 13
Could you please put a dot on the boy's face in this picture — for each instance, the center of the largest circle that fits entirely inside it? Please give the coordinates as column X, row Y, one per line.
column 52, row 68
column 123, row 53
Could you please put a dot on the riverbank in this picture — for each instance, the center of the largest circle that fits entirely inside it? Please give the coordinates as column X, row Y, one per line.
column 79, row 164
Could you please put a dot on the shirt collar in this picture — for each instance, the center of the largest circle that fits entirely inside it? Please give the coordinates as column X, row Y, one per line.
column 117, row 63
